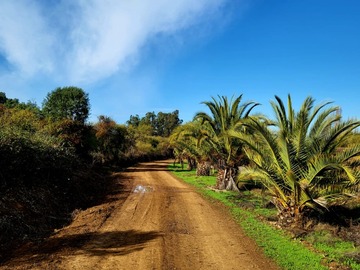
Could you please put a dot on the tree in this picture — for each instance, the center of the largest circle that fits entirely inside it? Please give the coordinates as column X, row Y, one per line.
column 161, row 124
column 67, row 103
column 15, row 103
column 184, row 141
column 111, row 139
column 3, row 98
column 134, row 120
column 73, row 134
column 224, row 117
column 165, row 123
column 149, row 119
column 302, row 162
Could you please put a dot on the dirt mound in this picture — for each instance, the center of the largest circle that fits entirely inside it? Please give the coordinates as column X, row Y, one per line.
column 30, row 214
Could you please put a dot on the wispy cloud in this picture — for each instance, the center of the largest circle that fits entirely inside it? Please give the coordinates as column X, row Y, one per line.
column 87, row 40
column 25, row 40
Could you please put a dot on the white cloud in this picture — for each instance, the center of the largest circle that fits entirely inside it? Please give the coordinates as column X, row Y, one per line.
column 87, row 40
column 25, row 40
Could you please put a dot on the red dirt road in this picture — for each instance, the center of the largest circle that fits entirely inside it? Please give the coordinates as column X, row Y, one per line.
column 166, row 226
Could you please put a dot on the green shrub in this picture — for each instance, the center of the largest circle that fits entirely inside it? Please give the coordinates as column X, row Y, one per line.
column 27, row 158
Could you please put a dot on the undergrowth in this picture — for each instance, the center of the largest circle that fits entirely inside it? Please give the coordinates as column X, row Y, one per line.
column 317, row 250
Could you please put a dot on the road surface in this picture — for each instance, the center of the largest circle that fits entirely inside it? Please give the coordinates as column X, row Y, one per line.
column 151, row 220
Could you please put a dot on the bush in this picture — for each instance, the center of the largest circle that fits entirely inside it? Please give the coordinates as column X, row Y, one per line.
column 27, row 158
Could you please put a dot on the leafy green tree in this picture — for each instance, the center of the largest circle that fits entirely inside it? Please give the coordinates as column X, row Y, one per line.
column 15, row 103
column 31, row 106
column 2, row 98
column 147, row 137
column 134, row 120
column 149, row 119
column 161, row 124
column 67, row 103
column 66, row 109
column 12, row 102
column 224, row 117
column 165, row 123
column 302, row 160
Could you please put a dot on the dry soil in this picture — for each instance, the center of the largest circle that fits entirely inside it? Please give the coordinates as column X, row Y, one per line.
column 151, row 220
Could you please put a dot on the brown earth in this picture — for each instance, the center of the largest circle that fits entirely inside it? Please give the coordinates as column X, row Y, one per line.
column 151, row 220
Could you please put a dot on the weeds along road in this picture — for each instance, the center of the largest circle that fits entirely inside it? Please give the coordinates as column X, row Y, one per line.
column 150, row 221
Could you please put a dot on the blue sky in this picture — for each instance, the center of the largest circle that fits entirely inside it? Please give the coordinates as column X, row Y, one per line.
column 134, row 57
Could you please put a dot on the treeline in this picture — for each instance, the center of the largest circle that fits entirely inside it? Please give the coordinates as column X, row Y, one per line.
column 60, row 125
column 52, row 160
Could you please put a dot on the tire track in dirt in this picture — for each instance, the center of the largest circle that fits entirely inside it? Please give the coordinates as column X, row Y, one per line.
column 162, row 223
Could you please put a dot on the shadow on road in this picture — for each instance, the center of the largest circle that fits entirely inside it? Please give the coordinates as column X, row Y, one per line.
column 116, row 243
column 97, row 244
column 145, row 167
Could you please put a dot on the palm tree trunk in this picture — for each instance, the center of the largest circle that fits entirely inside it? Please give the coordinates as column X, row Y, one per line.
column 226, row 179
column 289, row 216
column 203, row 168
column 191, row 163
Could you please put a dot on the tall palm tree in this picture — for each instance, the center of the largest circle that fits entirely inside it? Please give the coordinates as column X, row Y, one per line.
column 301, row 161
column 225, row 115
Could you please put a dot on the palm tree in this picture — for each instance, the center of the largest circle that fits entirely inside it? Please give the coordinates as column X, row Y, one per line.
column 183, row 140
column 224, row 117
column 301, row 161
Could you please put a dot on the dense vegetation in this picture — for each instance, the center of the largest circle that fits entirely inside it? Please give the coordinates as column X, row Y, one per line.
column 52, row 160
column 307, row 160
column 317, row 249
column 305, row 163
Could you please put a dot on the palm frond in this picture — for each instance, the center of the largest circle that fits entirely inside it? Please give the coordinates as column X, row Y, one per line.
column 337, row 135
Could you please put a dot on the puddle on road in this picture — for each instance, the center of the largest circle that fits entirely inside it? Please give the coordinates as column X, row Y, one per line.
column 142, row 189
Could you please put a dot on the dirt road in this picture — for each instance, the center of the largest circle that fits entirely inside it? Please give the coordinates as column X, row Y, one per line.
column 150, row 221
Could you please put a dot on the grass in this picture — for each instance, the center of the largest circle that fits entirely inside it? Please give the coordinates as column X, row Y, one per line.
column 316, row 251
column 335, row 248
